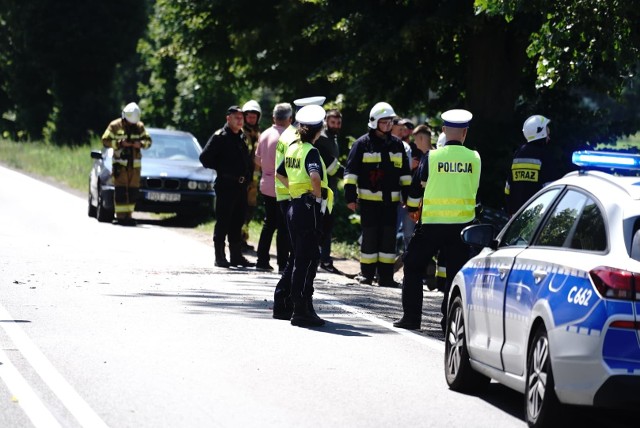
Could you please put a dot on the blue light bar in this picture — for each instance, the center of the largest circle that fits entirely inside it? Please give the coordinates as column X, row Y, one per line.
column 587, row 158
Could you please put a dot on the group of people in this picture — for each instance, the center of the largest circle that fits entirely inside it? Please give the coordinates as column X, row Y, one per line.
column 389, row 178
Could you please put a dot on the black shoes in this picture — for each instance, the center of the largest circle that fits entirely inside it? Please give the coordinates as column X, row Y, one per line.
column 364, row 280
column 304, row 317
column 127, row 221
column 389, row 283
column 241, row 262
column 329, row 267
column 264, row 266
column 407, row 324
column 222, row 262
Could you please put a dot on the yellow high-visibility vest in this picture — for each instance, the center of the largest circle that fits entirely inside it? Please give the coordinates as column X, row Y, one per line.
column 452, row 185
column 287, row 137
column 299, row 179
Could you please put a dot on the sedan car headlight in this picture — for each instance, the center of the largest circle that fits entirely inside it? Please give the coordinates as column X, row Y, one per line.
column 203, row 185
column 192, row 185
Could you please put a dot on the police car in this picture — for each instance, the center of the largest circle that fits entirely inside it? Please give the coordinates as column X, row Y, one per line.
column 550, row 306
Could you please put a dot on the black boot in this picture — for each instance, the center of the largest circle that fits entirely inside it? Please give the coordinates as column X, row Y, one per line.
column 282, row 308
column 221, row 259
column 302, row 317
column 312, row 311
column 236, row 258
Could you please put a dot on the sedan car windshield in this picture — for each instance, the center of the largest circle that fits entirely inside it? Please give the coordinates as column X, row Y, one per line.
column 174, row 147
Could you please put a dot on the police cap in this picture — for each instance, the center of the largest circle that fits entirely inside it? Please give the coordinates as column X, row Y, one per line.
column 457, row 118
column 301, row 102
column 310, row 115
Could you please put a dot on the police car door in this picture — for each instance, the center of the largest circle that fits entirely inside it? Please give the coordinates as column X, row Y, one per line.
column 488, row 313
column 503, row 318
column 553, row 275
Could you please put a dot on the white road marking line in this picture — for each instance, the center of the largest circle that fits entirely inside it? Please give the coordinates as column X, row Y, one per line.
column 431, row 343
column 60, row 387
column 33, row 407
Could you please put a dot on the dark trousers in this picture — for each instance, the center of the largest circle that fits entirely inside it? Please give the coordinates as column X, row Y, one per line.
column 378, row 248
column 231, row 205
column 274, row 220
column 425, row 243
column 325, row 240
column 305, row 227
column 282, row 294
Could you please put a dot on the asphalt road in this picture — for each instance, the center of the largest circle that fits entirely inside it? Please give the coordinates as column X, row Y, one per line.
column 103, row 325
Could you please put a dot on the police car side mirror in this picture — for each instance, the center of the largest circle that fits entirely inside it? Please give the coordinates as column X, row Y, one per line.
column 480, row 236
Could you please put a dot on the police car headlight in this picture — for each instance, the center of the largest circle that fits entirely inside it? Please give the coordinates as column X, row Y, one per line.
column 192, row 185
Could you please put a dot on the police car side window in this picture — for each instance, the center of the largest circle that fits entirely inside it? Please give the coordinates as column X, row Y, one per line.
column 523, row 227
column 590, row 233
column 557, row 230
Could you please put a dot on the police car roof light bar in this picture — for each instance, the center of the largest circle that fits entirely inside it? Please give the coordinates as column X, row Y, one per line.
column 589, row 158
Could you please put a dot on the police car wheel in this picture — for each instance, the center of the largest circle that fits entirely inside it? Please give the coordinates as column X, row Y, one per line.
column 458, row 371
column 541, row 403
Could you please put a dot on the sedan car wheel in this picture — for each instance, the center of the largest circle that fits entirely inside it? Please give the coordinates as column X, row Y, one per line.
column 103, row 214
column 541, row 402
column 93, row 211
column 458, row 371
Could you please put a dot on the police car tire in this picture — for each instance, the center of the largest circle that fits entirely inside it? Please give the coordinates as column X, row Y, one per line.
column 459, row 374
column 542, row 408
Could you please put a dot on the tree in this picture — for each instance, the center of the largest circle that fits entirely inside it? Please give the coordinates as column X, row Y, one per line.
column 503, row 60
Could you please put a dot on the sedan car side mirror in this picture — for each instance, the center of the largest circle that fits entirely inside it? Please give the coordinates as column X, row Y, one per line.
column 96, row 154
column 480, row 236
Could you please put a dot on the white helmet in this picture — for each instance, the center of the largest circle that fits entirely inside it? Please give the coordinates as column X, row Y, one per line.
column 379, row 111
column 251, row 105
column 535, row 127
column 131, row 112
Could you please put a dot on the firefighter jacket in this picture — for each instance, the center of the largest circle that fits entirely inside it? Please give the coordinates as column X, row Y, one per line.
column 377, row 170
column 451, row 186
column 229, row 155
column 119, row 131
column 531, row 169
column 327, row 145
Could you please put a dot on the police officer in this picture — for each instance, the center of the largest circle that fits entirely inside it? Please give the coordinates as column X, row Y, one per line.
column 377, row 175
column 126, row 136
column 305, row 175
column 450, row 176
column 282, row 304
column 531, row 167
column 227, row 153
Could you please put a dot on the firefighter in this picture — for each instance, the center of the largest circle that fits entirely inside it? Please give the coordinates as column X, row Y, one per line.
column 251, row 129
column 377, row 177
column 450, row 176
column 126, row 136
column 532, row 167
column 305, row 175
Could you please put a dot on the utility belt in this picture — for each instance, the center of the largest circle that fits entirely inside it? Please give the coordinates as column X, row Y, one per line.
column 240, row 179
column 310, row 199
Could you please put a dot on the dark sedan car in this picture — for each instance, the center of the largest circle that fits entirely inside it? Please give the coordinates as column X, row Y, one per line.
column 172, row 180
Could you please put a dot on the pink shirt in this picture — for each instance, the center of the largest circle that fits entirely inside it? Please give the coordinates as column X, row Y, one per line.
column 267, row 152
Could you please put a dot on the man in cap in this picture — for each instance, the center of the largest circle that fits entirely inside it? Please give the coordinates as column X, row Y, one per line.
column 303, row 172
column 282, row 304
column 227, row 153
column 532, row 166
column 450, row 177
column 329, row 149
column 126, row 136
column 377, row 177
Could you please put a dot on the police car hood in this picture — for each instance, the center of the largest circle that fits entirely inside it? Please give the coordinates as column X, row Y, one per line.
column 180, row 169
